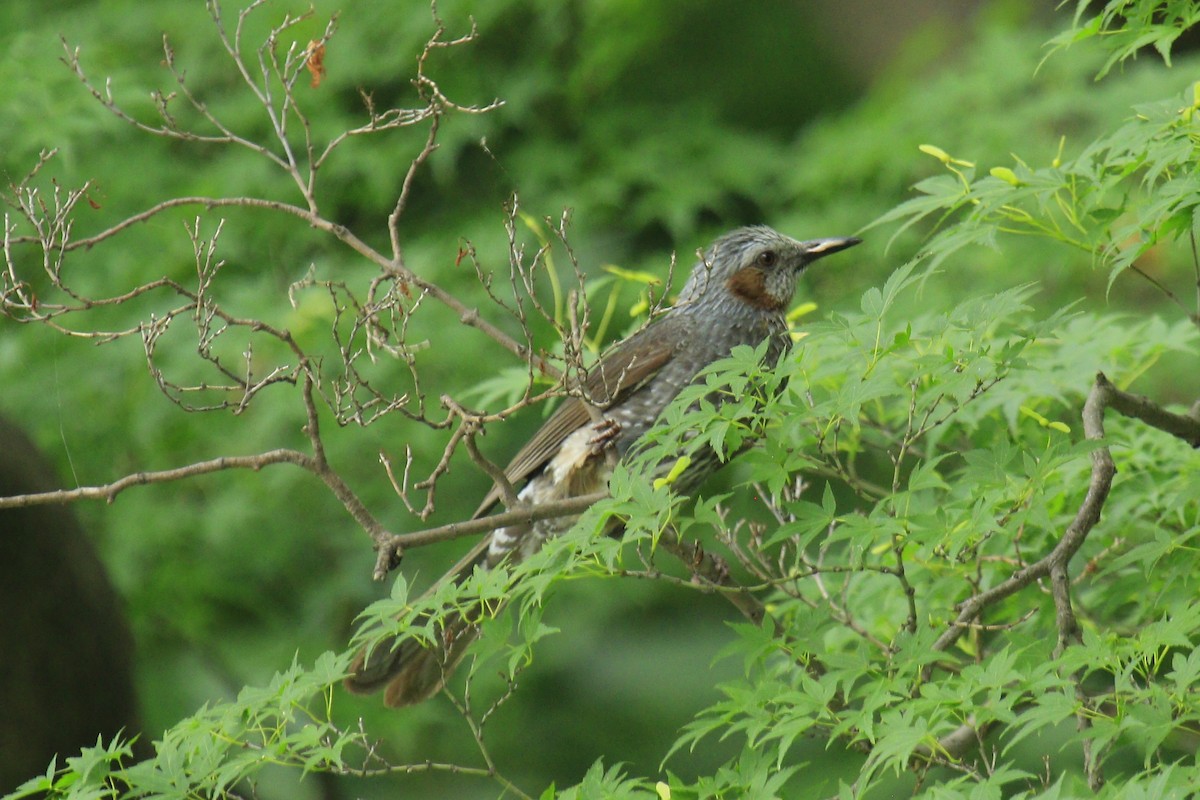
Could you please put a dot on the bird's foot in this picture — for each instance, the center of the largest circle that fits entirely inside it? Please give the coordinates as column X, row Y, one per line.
column 606, row 433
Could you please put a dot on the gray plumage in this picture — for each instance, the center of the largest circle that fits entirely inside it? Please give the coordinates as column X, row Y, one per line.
column 738, row 294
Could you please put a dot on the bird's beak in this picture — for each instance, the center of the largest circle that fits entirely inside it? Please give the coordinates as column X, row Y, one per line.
column 819, row 248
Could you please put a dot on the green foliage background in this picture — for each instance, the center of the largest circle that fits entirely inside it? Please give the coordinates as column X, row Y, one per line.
column 659, row 130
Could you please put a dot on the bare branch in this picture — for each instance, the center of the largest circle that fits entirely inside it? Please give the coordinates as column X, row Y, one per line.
column 393, row 222
column 508, row 494
column 109, row 491
column 708, row 569
column 393, row 547
column 1186, row 427
column 394, row 269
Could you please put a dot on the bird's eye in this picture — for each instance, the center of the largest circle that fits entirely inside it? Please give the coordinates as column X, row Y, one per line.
column 767, row 258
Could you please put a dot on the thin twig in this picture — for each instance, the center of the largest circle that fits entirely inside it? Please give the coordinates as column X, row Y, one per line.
column 711, row 569
column 392, row 549
column 109, row 491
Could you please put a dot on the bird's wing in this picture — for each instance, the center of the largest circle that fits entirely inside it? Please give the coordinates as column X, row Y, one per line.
column 623, row 369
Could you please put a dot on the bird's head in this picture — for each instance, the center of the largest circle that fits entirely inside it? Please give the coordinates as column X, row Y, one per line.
column 755, row 268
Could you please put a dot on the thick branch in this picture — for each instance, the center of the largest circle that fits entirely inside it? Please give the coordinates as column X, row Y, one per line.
column 1178, row 425
column 1073, row 538
column 1055, row 563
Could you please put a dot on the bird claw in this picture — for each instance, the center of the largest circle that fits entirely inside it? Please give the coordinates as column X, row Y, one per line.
column 606, row 432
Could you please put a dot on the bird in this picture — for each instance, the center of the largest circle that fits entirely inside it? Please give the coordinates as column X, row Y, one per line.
column 738, row 293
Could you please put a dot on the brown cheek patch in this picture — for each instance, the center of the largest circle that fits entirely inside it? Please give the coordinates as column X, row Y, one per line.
column 750, row 284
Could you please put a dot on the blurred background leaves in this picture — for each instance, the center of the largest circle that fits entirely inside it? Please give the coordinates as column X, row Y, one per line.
column 659, row 127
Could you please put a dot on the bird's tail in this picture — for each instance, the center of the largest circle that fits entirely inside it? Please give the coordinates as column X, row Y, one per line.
column 412, row 670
